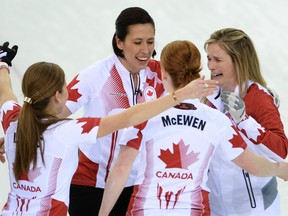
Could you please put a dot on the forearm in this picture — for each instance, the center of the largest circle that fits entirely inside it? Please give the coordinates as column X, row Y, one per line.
column 135, row 115
column 6, row 92
column 264, row 167
column 117, row 179
column 256, row 164
column 144, row 111
column 114, row 186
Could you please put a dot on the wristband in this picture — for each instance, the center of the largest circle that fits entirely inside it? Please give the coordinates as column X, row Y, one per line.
column 4, row 65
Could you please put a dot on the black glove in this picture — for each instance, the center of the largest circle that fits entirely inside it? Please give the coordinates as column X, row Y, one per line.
column 7, row 54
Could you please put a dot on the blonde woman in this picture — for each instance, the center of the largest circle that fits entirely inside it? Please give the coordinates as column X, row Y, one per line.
column 244, row 97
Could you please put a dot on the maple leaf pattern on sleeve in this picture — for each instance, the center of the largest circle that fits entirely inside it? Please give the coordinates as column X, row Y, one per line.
column 237, row 141
column 74, row 94
column 31, row 175
column 89, row 124
column 10, row 115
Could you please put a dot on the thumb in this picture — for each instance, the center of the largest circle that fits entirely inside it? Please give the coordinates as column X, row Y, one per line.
column 15, row 48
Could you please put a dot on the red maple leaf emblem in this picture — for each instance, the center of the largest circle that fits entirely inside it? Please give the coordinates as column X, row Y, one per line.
column 74, row 95
column 156, row 83
column 237, row 141
column 179, row 158
column 31, row 175
column 149, row 93
column 90, row 123
column 10, row 115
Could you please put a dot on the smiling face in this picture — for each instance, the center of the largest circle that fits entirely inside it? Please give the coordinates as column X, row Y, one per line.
column 221, row 66
column 137, row 47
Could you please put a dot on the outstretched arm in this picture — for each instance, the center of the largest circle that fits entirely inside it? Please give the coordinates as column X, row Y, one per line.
column 117, row 178
column 262, row 126
column 6, row 57
column 260, row 166
column 6, row 92
column 142, row 112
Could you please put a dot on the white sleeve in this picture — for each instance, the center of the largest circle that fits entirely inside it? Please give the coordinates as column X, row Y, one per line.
column 131, row 137
column 84, row 87
column 232, row 143
column 81, row 130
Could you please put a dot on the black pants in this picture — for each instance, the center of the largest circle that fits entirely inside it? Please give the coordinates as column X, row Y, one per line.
column 86, row 201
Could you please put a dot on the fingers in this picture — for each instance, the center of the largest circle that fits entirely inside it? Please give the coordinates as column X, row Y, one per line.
column 2, row 150
column 210, row 84
column 207, row 87
column 202, row 88
column 2, row 158
column 206, row 91
column 224, row 95
column 7, row 54
column 230, row 101
column 15, row 48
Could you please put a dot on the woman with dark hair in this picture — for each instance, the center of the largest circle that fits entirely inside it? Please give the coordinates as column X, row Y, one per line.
column 174, row 161
column 42, row 149
column 111, row 85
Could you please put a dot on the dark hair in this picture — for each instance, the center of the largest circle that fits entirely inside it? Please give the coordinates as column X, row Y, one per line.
column 129, row 16
column 40, row 82
column 182, row 61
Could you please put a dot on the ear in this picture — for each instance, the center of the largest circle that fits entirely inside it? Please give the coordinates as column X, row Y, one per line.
column 119, row 43
column 57, row 97
column 164, row 74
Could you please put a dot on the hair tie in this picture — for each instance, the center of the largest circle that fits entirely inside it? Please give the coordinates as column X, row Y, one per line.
column 28, row 100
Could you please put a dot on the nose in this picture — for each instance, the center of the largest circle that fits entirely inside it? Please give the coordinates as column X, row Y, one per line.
column 211, row 65
column 145, row 48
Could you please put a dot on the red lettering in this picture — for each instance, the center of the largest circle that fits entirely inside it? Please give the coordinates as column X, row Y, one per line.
column 24, row 187
column 176, row 175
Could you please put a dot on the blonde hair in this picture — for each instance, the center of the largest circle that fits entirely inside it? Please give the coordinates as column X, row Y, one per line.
column 238, row 45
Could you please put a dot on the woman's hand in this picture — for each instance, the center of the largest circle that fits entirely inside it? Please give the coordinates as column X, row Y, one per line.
column 197, row 89
column 2, row 150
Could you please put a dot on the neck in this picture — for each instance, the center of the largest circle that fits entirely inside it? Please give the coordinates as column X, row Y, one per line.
column 124, row 63
column 135, row 79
